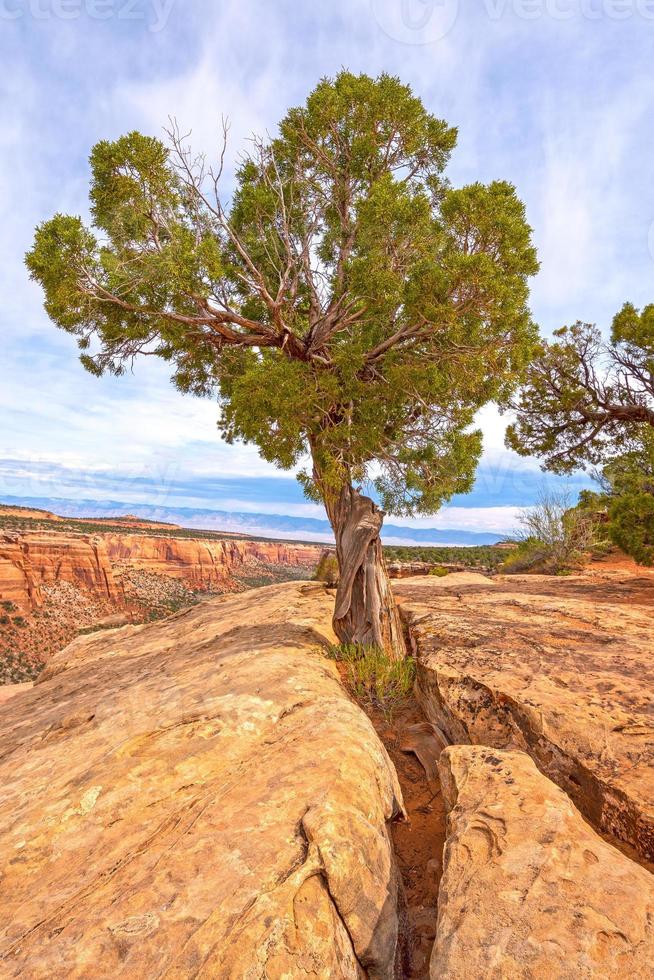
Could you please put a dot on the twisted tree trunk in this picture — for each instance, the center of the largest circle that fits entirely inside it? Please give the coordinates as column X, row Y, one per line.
column 365, row 610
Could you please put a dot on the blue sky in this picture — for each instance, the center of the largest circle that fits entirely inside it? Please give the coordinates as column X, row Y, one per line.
column 556, row 96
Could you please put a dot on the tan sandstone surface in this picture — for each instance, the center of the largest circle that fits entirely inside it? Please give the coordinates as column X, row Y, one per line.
column 562, row 668
column 529, row 891
column 8, row 691
column 198, row 798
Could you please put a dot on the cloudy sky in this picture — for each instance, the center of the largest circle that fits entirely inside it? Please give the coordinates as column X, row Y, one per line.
column 556, row 96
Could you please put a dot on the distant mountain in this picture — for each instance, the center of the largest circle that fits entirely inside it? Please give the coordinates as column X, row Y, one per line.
column 271, row 525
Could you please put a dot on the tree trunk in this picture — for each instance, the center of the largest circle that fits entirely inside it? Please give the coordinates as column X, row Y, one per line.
column 365, row 610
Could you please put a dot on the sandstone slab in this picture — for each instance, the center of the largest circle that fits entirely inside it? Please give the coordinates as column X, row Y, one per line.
column 529, row 891
column 8, row 691
column 561, row 668
column 198, row 798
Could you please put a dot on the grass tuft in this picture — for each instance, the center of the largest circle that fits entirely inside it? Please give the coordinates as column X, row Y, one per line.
column 375, row 680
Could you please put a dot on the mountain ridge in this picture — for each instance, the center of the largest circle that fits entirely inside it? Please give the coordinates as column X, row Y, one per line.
column 246, row 522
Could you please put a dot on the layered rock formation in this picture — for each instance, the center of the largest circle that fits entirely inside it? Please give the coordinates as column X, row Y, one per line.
column 528, row 889
column 30, row 560
column 559, row 667
column 204, row 563
column 198, row 798
column 407, row 569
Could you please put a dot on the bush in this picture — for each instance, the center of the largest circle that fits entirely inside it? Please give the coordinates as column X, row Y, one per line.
column 327, row 570
column 632, row 525
column 8, row 606
column 554, row 538
column 485, row 557
column 439, row 571
column 373, row 678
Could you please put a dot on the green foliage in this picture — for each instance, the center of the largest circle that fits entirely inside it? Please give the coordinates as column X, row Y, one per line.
column 8, row 606
column 585, row 401
column 438, row 571
column 484, row 557
column 627, row 500
column 345, row 653
column 555, row 538
column 327, row 570
column 631, row 525
column 590, row 402
column 351, row 303
column 376, row 680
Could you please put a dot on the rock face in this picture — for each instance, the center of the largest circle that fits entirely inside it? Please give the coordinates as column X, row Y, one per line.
column 204, row 563
column 528, row 889
column 8, row 691
column 407, row 569
column 561, row 668
column 198, row 798
column 30, row 560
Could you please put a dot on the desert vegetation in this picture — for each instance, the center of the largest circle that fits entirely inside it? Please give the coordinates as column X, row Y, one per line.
column 376, row 680
column 554, row 538
column 483, row 557
column 348, row 304
column 327, row 570
column 590, row 403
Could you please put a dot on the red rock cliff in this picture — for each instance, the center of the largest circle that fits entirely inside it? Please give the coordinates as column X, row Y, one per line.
column 204, row 563
column 29, row 560
column 33, row 559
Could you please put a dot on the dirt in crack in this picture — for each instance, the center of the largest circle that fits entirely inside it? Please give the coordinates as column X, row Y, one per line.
column 418, row 840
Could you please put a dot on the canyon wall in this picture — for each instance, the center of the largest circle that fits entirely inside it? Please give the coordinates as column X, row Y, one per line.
column 204, row 563
column 30, row 560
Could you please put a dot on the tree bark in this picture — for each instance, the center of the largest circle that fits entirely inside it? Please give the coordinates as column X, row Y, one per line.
column 365, row 611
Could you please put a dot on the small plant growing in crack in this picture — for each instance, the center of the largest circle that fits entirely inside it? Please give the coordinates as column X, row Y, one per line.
column 373, row 678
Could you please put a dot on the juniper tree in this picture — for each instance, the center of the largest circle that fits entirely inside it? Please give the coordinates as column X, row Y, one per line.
column 590, row 402
column 348, row 306
column 585, row 401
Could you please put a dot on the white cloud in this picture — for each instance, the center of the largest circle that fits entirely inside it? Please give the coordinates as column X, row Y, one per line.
column 502, row 519
column 559, row 108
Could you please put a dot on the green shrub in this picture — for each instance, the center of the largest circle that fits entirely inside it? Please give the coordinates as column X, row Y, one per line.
column 632, row 525
column 373, row 678
column 485, row 557
column 8, row 606
column 439, row 571
column 554, row 538
column 327, row 570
